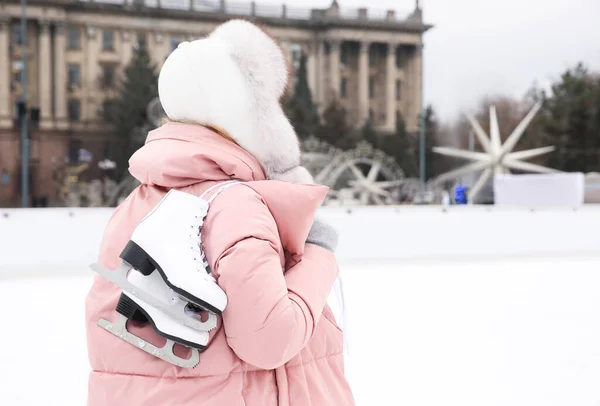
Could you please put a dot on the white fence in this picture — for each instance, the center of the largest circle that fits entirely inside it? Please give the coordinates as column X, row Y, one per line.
column 68, row 239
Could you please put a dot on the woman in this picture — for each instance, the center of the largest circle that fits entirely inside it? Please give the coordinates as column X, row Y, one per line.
column 278, row 343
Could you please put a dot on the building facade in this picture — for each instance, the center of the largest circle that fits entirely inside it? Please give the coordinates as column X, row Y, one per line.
column 76, row 51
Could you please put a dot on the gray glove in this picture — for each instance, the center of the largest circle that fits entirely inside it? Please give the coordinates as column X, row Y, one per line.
column 323, row 235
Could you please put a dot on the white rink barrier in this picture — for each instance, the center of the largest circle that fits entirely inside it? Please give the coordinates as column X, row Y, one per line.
column 68, row 239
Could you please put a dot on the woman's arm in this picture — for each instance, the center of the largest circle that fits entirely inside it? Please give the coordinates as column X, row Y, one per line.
column 269, row 316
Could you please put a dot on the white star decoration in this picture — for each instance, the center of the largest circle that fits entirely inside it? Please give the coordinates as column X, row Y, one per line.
column 497, row 158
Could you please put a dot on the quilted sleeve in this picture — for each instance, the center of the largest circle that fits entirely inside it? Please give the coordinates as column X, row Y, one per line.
column 270, row 316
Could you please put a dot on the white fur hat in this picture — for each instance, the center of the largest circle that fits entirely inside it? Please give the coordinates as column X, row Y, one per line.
column 233, row 80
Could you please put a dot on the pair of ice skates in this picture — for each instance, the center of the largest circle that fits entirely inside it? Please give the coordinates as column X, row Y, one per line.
column 166, row 279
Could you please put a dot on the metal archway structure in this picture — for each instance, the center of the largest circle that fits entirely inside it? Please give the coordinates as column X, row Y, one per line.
column 363, row 175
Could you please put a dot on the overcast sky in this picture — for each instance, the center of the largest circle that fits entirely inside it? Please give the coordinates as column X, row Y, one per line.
column 482, row 47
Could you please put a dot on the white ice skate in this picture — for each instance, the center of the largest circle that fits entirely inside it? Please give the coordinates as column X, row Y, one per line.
column 132, row 308
column 167, row 241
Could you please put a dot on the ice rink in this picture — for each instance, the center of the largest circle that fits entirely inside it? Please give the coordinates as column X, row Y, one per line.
column 519, row 332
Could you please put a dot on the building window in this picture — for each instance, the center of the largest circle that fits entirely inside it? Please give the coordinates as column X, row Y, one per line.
column 399, row 60
column 398, row 89
column 140, row 38
column 73, row 38
column 74, row 76
column 175, row 41
column 399, row 119
column 17, row 73
column 15, row 83
column 343, row 86
column 296, row 55
column 74, row 107
column 107, row 81
column 372, row 56
column 108, row 40
column 344, row 55
column 15, row 34
column 5, row 177
column 74, row 150
column 108, row 109
column 372, row 87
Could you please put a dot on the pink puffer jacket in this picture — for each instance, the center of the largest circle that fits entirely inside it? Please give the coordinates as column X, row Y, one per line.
column 278, row 343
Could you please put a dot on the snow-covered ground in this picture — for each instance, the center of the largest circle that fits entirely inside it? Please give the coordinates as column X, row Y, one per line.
column 512, row 332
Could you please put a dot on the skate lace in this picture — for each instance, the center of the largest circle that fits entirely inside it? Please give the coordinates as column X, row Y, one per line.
column 199, row 256
column 196, row 245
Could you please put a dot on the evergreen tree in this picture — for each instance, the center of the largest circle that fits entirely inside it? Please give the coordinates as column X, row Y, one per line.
column 431, row 127
column 300, row 108
column 404, row 148
column 571, row 121
column 400, row 145
column 335, row 128
column 435, row 164
column 369, row 134
column 126, row 113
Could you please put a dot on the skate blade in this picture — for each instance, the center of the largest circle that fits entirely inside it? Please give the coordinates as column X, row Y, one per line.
column 119, row 329
column 176, row 311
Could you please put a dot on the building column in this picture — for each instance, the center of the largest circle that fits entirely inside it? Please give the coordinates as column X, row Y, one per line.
column 320, row 75
column 60, row 77
column 334, row 70
column 45, row 80
column 363, row 82
column 126, row 48
column 287, row 54
column 161, row 48
column 418, row 84
column 390, row 86
column 5, row 99
column 91, row 75
column 311, row 68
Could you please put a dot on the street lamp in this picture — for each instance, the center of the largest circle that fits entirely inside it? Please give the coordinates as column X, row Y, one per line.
column 23, row 112
column 422, row 145
column 422, row 135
